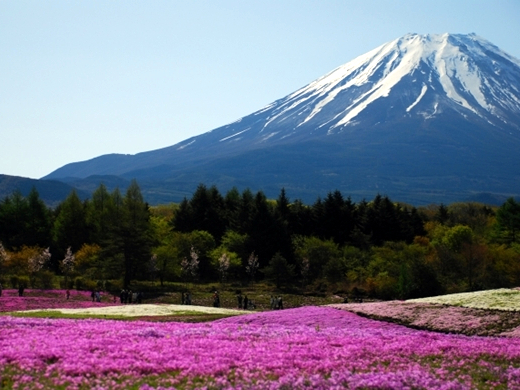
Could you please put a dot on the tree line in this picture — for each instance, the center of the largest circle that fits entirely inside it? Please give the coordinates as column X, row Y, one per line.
column 379, row 248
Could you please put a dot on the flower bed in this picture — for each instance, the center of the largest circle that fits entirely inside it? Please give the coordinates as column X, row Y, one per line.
column 499, row 299
column 312, row 347
column 147, row 310
column 484, row 313
column 48, row 299
column 440, row 318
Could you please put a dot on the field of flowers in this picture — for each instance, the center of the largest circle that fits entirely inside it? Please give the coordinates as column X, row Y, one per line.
column 484, row 313
column 310, row 347
column 49, row 299
column 499, row 299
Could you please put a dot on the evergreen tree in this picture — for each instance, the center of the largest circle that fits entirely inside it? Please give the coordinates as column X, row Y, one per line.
column 136, row 234
column 14, row 217
column 265, row 231
column 279, row 271
column 205, row 211
column 111, row 257
column 508, row 220
column 98, row 214
column 70, row 226
column 183, row 220
column 232, row 209
column 442, row 214
column 246, row 211
column 39, row 223
column 300, row 219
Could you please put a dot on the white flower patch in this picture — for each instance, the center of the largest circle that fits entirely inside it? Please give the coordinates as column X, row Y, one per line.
column 146, row 310
column 500, row 299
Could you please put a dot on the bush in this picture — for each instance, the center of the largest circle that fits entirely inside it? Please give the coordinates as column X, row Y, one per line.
column 113, row 286
column 14, row 281
column 45, row 279
column 85, row 284
column 23, row 280
column 66, row 284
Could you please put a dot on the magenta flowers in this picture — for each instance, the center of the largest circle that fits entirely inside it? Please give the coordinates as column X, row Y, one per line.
column 312, row 347
column 48, row 299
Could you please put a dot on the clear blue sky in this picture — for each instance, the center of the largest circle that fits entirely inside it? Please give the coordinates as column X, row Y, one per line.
column 79, row 79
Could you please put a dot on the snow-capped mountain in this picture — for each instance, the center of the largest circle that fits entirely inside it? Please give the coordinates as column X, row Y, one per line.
column 423, row 114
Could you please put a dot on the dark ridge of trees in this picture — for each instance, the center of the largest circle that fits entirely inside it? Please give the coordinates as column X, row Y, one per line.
column 386, row 249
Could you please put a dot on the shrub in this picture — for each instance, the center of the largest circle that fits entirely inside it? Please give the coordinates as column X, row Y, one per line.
column 45, row 279
column 14, row 281
column 85, row 284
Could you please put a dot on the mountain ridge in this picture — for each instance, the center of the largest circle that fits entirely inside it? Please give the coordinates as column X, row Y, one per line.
column 450, row 101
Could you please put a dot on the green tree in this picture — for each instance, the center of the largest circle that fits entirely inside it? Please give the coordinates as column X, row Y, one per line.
column 203, row 243
column 99, row 214
column 279, row 271
column 14, row 216
column 318, row 252
column 508, row 221
column 39, row 223
column 111, row 256
column 136, row 232
column 70, row 226
column 165, row 249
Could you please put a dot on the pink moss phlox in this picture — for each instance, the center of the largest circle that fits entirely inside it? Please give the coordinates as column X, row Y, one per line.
column 311, row 347
column 48, row 299
column 430, row 316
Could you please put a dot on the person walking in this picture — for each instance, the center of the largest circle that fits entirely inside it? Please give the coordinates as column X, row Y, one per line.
column 246, row 302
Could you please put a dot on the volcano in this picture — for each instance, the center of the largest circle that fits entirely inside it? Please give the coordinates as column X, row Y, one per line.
column 422, row 119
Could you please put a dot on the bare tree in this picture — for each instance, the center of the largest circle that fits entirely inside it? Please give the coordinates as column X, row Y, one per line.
column 252, row 266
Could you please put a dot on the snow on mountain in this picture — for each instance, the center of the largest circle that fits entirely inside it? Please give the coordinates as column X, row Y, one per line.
column 465, row 72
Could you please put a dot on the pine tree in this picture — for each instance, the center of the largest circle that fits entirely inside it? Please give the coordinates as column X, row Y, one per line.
column 136, row 234
column 70, row 226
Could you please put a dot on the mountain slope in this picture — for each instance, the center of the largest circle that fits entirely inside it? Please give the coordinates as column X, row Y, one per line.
column 52, row 192
column 428, row 117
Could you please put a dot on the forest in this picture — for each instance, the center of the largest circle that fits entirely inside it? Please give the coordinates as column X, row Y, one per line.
column 378, row 248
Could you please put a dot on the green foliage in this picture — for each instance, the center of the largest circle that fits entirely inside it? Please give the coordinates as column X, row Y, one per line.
column 43, row 280
column 84, row 284
column 319, row 252
column 456, row 237
column 508, row 221
column 232, row 271
column 70, row 226
column 24, row 221
column 237, row 243
column 335, row 270
column 389, row 249
column 279, row 271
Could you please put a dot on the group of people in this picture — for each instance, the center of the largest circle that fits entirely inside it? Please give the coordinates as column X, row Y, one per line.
column 244, row 302
column 276, row 303
column 128, row 296
column 186, row 298
column 95, row 295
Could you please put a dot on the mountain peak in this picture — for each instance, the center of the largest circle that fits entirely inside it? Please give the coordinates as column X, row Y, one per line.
column 465, row 69
column 420, row 106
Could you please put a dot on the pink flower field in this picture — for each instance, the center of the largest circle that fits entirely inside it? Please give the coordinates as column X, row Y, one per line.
column 443, row 318
column 304, row 348
column 48, row 299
